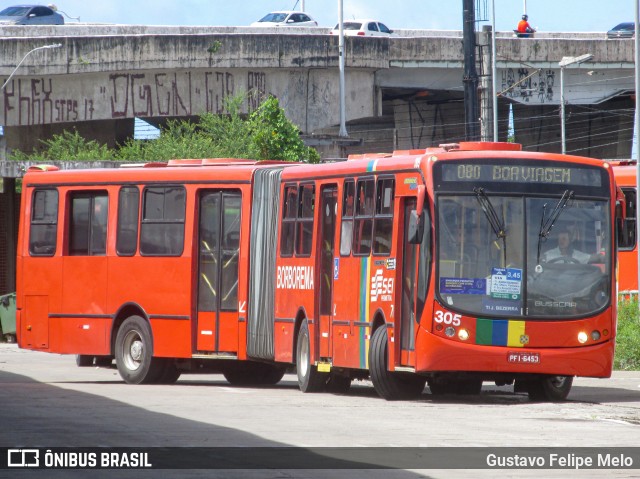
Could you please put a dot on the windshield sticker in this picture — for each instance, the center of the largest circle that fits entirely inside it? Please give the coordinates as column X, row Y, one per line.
column 463, row 285
column 506, row 283
column 501, row 306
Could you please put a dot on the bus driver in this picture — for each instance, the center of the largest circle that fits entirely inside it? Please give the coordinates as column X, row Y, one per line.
column 565, row 252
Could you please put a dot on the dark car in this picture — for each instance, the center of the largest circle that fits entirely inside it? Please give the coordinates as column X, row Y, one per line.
column 30, row 15
column 623, row 30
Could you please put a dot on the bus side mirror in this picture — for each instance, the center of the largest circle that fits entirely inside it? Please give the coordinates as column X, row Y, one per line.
column 416, row 228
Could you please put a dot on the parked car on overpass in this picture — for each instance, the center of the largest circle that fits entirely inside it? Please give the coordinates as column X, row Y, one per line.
column 622, row 30
column 286, row 18
column 363, row 28
column 30, row 15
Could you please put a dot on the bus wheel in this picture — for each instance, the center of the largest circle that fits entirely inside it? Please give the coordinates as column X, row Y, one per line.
column 83, row 361
column 390, row 385
column 134, row 353
column 550, row 388
column 309, row 379
column 249, row 373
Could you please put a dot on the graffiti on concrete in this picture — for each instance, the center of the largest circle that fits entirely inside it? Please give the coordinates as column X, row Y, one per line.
column 46, row 100
column 527, row 85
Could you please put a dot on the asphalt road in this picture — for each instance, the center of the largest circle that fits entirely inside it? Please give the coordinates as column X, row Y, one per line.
column 46, row 401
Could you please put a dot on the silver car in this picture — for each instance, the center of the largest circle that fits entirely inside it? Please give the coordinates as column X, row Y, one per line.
column 286, row 18
column 30, row 15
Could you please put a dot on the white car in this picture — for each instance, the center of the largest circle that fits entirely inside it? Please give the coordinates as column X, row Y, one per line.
column 363, row 28
column 287, row 18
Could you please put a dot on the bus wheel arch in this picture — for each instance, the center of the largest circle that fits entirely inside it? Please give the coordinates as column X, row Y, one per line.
column 134, row 352
column 125, row 311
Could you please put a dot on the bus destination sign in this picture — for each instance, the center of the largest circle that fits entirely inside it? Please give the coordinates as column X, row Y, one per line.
column 505, row 173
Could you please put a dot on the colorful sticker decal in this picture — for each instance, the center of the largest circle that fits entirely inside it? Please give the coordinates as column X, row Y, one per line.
column 501, row 332
column 390, row 263
column 412, row 182
column 463, row 285
column 506, row 283
column 501, row 306
column 336, row 268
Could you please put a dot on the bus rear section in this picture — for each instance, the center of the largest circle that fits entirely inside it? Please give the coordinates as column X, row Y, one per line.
column 625, row 173
column 147, row 265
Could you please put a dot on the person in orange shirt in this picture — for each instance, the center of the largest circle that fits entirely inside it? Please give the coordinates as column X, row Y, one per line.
column 524, row 29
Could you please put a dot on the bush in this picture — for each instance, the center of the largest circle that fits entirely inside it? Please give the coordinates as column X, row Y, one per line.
column 627, row 356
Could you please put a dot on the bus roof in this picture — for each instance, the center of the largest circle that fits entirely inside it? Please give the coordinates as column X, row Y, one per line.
column 223, row 169
column 625, row 173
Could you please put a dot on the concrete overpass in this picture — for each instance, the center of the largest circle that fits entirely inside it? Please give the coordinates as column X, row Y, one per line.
column 402, row 92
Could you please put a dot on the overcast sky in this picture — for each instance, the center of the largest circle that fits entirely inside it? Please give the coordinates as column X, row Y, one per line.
column 546, row 15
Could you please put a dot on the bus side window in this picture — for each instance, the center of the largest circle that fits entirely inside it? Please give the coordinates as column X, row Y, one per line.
column 346, row 227
column 128, row 213
column 364, row 217
column 88, row 223
column 44, row 223
column 383, row 224
column 162, row 228
column 627, row 230
column 288, row 225
column 304, row 229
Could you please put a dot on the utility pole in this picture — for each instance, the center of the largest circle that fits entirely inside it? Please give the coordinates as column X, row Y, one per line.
column 470, row 79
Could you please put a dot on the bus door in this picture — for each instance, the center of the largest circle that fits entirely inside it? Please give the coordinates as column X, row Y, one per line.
column 218, row 253
column 408, row 291
column 327, row 224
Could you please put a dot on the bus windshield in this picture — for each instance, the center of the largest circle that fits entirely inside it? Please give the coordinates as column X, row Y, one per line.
column 513, row 255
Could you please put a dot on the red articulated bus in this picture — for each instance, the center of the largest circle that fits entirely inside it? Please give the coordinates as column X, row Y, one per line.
column 449, row 266
column 625, row 173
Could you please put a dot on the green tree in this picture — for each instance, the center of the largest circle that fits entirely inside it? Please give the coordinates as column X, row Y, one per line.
column 68, row 146
column 275, row 137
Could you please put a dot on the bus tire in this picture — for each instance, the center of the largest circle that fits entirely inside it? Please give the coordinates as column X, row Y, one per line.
column 134, row 353
column 309, row 379
column 249, row 373
column 550, row 388
column 390, row 385
column 170, row 373
column 83, row 361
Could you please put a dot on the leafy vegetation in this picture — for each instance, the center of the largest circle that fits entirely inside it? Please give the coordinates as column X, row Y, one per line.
column 266, row 134
column 628, row 337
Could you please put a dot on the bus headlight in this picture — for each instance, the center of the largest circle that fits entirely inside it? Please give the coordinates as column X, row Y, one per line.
column 450, row 331
column 583, row 337
column 463, row 334
column 595, row 335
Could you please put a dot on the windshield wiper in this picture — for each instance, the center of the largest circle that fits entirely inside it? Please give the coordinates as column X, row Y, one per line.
column 547, row 225
column 497, row 224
